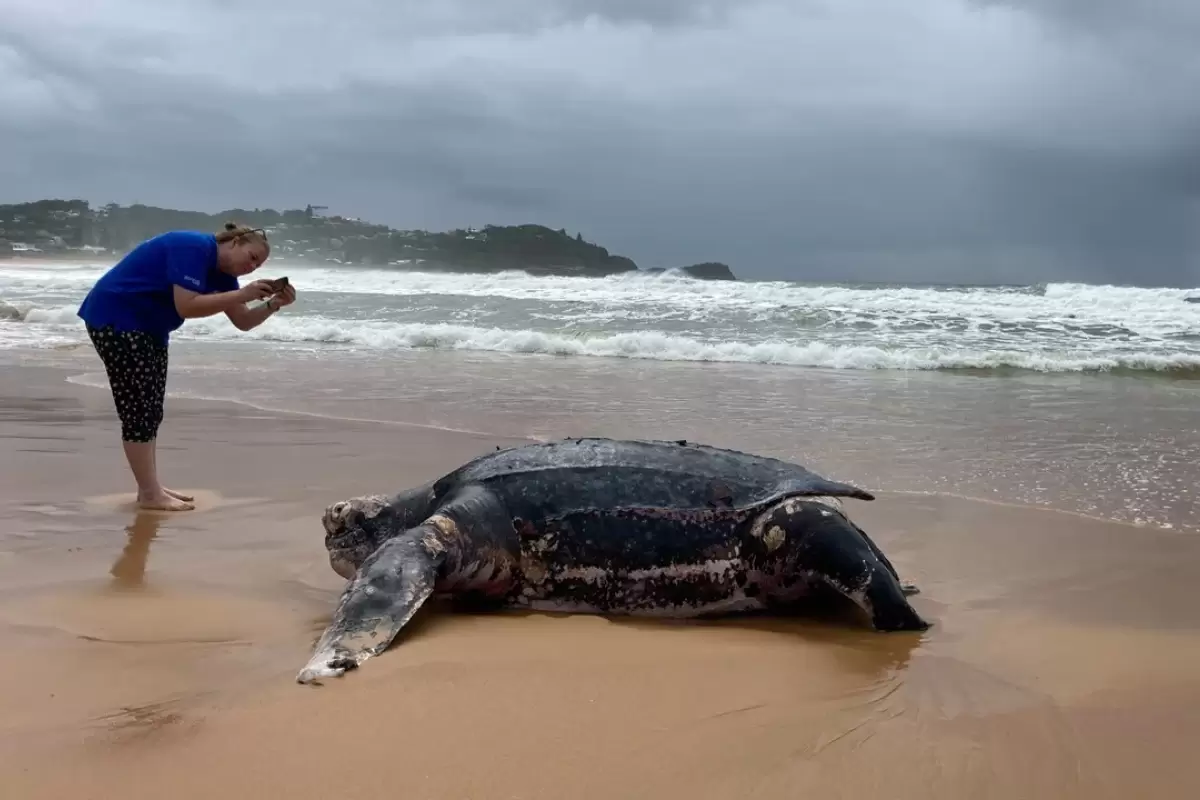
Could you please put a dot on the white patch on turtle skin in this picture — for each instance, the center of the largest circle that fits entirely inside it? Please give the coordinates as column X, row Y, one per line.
column 445, row 535
column 369, row 505
column 736, row 601
column 774, row 538
column 318, row 669
column 444, row 525
column 540, row 545
column 591, row 575
column 717, row 568
column 534, row 572
column 533, row 565
column 793, row 505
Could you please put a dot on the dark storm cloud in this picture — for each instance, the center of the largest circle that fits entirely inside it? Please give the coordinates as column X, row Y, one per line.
column 938, row 140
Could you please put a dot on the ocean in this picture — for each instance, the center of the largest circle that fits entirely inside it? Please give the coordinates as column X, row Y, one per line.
column 1075, row 397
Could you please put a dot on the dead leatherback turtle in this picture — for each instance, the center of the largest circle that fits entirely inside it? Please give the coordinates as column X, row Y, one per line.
column 601, row 526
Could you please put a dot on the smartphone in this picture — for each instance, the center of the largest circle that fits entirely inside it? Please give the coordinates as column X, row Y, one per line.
column 279, row 284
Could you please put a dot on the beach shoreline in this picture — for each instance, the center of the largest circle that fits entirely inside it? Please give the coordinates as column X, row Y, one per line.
column 1051, row 441
column 165, row 646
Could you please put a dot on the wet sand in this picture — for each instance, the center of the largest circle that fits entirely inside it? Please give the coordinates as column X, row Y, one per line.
column 154, row 655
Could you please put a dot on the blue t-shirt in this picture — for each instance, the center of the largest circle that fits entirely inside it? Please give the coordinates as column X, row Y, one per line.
column 137, row 293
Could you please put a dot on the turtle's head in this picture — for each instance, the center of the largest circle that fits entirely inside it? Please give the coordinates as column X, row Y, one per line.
column 355, row 528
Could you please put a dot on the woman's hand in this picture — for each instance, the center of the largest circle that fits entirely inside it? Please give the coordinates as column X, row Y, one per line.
column 286, row 297
column 256, row 290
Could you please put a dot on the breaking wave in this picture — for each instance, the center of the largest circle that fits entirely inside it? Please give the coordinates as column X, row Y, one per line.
column 653, row 345
column 1056, row 327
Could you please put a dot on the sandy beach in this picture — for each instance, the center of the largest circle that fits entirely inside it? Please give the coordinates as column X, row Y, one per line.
column 152, row 655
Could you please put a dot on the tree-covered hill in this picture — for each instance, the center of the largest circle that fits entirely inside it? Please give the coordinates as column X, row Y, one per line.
column 72, row 228
column 49, row 228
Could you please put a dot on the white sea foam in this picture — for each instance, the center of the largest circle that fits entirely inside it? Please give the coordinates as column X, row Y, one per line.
column 1058, row 327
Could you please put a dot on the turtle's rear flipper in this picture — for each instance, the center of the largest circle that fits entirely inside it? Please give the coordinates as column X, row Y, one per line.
column 827, row 546
column 389, row 588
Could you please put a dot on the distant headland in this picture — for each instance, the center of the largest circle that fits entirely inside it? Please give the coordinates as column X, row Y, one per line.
column 58, row 229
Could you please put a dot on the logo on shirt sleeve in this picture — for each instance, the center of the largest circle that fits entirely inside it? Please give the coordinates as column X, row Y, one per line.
column 192, row 280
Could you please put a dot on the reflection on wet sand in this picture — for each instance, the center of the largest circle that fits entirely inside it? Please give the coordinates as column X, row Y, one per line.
column 129, row 570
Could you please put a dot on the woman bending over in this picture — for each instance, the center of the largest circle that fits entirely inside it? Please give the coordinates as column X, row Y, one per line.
column 130, row 313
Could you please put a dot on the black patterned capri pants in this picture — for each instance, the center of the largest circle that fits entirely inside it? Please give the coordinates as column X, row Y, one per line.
column 136, row 364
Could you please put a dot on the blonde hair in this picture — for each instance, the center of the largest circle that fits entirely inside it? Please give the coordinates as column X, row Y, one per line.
column 234, row 231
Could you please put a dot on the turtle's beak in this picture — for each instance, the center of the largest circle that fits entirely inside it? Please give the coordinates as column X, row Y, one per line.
column 342, row 566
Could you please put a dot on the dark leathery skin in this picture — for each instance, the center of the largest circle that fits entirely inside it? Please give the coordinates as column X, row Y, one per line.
column 580, row 473
column 606, row 526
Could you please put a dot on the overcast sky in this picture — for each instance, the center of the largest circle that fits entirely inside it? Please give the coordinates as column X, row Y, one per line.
column 960, row 140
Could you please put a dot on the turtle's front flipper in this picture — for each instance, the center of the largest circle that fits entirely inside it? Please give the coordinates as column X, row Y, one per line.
column 388, row 589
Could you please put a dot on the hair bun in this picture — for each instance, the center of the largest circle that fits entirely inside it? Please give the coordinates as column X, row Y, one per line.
column 231, row 226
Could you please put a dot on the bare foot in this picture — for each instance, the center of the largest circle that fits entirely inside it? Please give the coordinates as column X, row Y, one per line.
column 178, row 495
column 162, row 501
